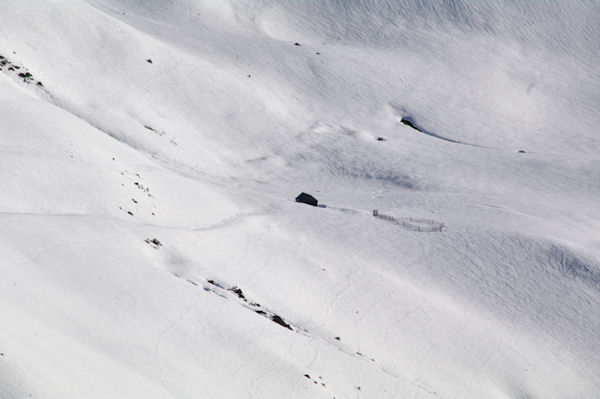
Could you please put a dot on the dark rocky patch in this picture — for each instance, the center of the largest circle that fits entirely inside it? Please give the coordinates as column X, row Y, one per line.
column 238, row 292
column 218, row 288
column 408, row 122
column 26, row 75
column 213, row 282
column 277, row 319
column 154, row 242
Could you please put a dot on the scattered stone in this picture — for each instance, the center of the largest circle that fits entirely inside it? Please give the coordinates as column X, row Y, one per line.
column 254, row 306
column 379, row 138
column 153, row 242
column 27, row 77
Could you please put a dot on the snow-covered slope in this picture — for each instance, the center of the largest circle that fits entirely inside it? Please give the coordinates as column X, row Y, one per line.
column 150, row 242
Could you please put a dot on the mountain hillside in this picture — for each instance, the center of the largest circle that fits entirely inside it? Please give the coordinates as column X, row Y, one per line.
column 151, row 245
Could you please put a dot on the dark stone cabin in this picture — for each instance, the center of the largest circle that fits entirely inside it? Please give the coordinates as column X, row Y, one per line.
column 307, row 199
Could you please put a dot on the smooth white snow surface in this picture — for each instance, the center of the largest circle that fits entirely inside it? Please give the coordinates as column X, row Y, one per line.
column 205, row 149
